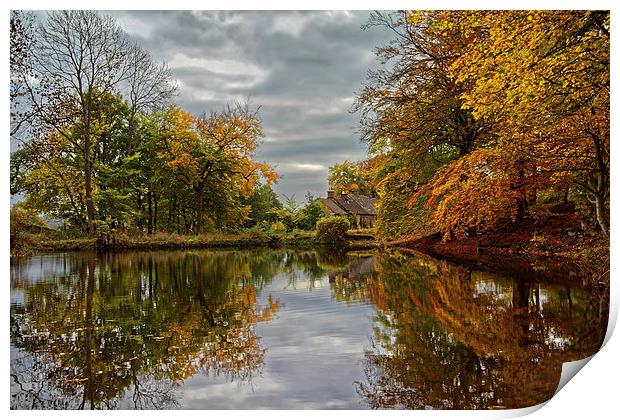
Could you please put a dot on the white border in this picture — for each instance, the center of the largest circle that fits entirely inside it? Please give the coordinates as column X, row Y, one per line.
column 592, row 394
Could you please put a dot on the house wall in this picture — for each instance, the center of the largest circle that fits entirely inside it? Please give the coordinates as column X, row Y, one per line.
column 357, row 221
column 366, row 221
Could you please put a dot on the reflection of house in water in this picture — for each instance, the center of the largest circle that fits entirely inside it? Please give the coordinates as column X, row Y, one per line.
column 358, row 269
column 360, row 208
column 354, row 284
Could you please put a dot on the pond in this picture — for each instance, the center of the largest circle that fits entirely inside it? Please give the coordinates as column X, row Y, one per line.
column 280, row 329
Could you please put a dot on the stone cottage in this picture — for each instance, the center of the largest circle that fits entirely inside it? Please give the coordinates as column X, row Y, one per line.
column 360, row 209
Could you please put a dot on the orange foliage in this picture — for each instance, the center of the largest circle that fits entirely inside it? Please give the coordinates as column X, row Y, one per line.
column 477, row 191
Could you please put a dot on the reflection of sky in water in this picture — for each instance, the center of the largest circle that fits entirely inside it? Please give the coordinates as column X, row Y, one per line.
column 315, row 345
column 312, row 331
column 17, row 297
column 503, row 292
column 493, row 287
column 41, row 268
column 555, row 341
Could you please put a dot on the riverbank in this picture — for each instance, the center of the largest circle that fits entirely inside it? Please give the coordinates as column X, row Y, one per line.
column 44, row 242
column 559, row 239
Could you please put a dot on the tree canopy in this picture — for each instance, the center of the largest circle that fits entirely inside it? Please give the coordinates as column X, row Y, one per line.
column 101, row 145
column 479, row 112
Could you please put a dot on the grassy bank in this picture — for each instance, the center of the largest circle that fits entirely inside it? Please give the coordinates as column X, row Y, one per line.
column 46, row 242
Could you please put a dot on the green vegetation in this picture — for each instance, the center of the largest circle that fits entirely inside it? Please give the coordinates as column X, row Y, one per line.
column 103, row 149
column 115, row 155
column 28, row 243
column 332, row 230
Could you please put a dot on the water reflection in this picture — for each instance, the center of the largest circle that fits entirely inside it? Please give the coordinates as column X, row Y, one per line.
column 128, row 330
column 122, row 332
column 446, row 337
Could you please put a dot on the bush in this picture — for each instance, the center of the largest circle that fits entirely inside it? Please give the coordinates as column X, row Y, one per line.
column 278, row 227
column 332, row 230
column 23, row 225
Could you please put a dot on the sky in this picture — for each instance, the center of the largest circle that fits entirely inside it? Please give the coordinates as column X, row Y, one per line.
column 302, row 68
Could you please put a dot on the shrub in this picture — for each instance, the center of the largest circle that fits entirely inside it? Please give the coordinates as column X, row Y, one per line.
column 332, row 229
column 23, row 225
column 278, row 227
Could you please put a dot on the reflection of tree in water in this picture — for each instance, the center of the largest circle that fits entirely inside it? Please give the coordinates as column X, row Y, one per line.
column 116, row 331
column 314, row 266
column 446, row 337
column 331, row 264
column 124, row 331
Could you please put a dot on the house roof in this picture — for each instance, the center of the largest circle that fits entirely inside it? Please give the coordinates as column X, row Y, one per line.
column 332, row 206
column 352, row 203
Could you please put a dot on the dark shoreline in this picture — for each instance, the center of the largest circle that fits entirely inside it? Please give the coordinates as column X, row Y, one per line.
column 502, row 252
column 233, row 241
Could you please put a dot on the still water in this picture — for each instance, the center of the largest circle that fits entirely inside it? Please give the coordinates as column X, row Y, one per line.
column 290, row 329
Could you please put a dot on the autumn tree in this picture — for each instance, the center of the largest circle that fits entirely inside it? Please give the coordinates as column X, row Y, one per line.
column 349, row 176
column 412, row 101
column 51, row 179
column 206, row 153
column 78, row 59
column 543, row 76
column 412, row 115
column 478, row 192
column 526, row 92
column 79, row 55
column 48, row 168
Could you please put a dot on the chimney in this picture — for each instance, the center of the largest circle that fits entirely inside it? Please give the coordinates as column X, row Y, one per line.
column 330, row 194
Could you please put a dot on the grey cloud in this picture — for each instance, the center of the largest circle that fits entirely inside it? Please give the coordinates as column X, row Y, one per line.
column 302, row 68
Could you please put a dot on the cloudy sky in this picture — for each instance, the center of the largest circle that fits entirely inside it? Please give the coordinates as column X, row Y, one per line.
column 301, row 68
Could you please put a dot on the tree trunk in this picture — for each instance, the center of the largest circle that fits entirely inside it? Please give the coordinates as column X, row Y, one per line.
column 521, row 200
column 155, row 213
column 601, row 213
column 170, row 212
column 129, row 145
column 150, row 221
column 200, row 210
column 602, row 184
column 90, row 208
column 140, row 218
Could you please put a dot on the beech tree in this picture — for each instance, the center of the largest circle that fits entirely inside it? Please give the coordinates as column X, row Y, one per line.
column 543, row 76
column 412, row 101
column 478, row 192
column 478, row 111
